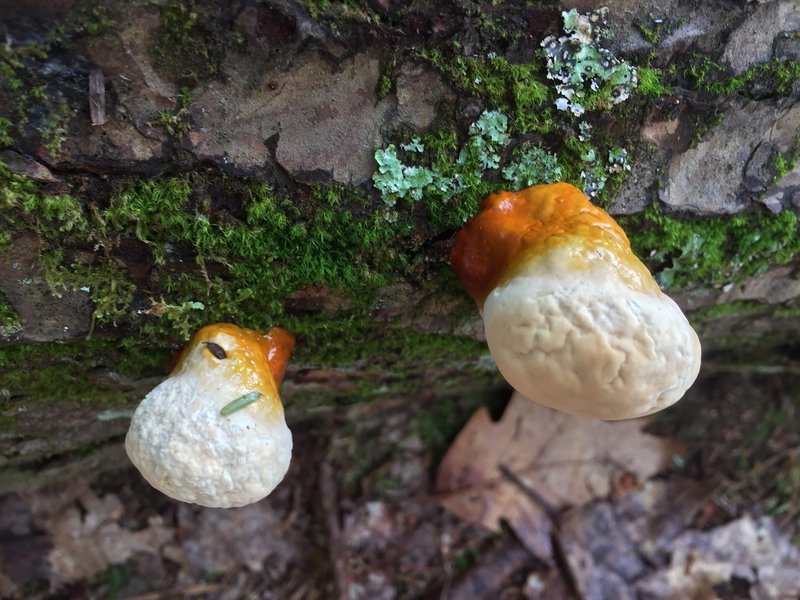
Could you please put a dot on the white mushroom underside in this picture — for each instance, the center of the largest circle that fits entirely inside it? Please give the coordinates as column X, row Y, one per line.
column 183, row 446
column 585, row 343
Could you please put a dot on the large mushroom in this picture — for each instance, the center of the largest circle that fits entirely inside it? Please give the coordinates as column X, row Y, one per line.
column 572, row 318
column 213, row 433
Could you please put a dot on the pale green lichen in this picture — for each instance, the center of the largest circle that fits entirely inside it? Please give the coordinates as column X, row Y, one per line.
column 395, row 179
column 455, row 177
column 532, row 164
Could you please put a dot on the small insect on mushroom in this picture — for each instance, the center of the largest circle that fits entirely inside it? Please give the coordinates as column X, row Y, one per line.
column 213, row 433
column 572, row 318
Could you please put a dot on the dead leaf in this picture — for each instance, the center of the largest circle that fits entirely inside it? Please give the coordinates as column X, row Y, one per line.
column 89, row 538
column 216, row 540
column 8, row 588
column 560, row 459
column 751, row 551
column 608, row 545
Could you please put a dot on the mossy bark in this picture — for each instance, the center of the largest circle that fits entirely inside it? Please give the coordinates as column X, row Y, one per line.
column 231, row 181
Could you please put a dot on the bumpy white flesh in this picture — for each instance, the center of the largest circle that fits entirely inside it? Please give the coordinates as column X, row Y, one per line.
column 583, row 342
column 187, row 450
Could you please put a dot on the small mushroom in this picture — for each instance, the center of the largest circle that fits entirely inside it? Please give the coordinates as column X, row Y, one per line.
column 213, row 433
column 572, row 318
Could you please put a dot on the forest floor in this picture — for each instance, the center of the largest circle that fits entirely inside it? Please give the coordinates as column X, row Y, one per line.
column 702, row 501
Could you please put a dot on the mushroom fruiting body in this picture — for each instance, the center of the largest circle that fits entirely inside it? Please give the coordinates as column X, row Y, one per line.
column 572, row 318
column 213, row 433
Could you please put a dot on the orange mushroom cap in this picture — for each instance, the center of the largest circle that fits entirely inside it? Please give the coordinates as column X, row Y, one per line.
column 515, row 227
column 257, row 356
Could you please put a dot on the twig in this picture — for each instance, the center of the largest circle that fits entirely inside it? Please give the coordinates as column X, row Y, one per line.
column 550, row 510
column 759, row 469
column 487, row 484
column 187, row 590
column 330, row 506
column 792, row 369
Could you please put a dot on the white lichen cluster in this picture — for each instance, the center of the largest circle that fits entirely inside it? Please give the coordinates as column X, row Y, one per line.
column 582, row 67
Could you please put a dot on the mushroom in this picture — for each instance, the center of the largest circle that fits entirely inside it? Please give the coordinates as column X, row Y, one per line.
column 572, row 318
column 213, row 433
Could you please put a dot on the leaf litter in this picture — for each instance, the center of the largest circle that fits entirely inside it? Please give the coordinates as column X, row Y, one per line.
column 552, row 508
column 582, row 494
column 537, row 460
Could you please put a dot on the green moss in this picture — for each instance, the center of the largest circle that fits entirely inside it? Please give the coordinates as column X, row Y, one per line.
column 652, row 35
column 7, row 423
column 519, row 90
column 328, row 341
column 336, row 13
column 29, row 95
column 176, row 123
column 52, row 216
column 327, row 236
column 651, row 82
column 104, row 281
column 281, row 244
column 787, row 312
column 185, row 48
column 738, row 307
column 403, row 360
column 316, row 8
column 9, row 319
column 784, row 163
column 63, row 373
column 715, row 250
column 703, row 123
column 55, row 129
column 778, row 75
column 60, row 219
column 6, row 131
column 98, row 21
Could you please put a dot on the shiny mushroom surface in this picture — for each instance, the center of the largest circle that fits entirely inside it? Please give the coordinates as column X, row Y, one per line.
column 573, row 318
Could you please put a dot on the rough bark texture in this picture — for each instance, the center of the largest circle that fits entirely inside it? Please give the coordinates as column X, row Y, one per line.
column 169, row 164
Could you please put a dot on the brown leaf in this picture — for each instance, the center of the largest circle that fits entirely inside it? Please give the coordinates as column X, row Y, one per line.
column 560, row 460
column 220, row 540
column 608, row 545
column 85, row 542
column 750, row 550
